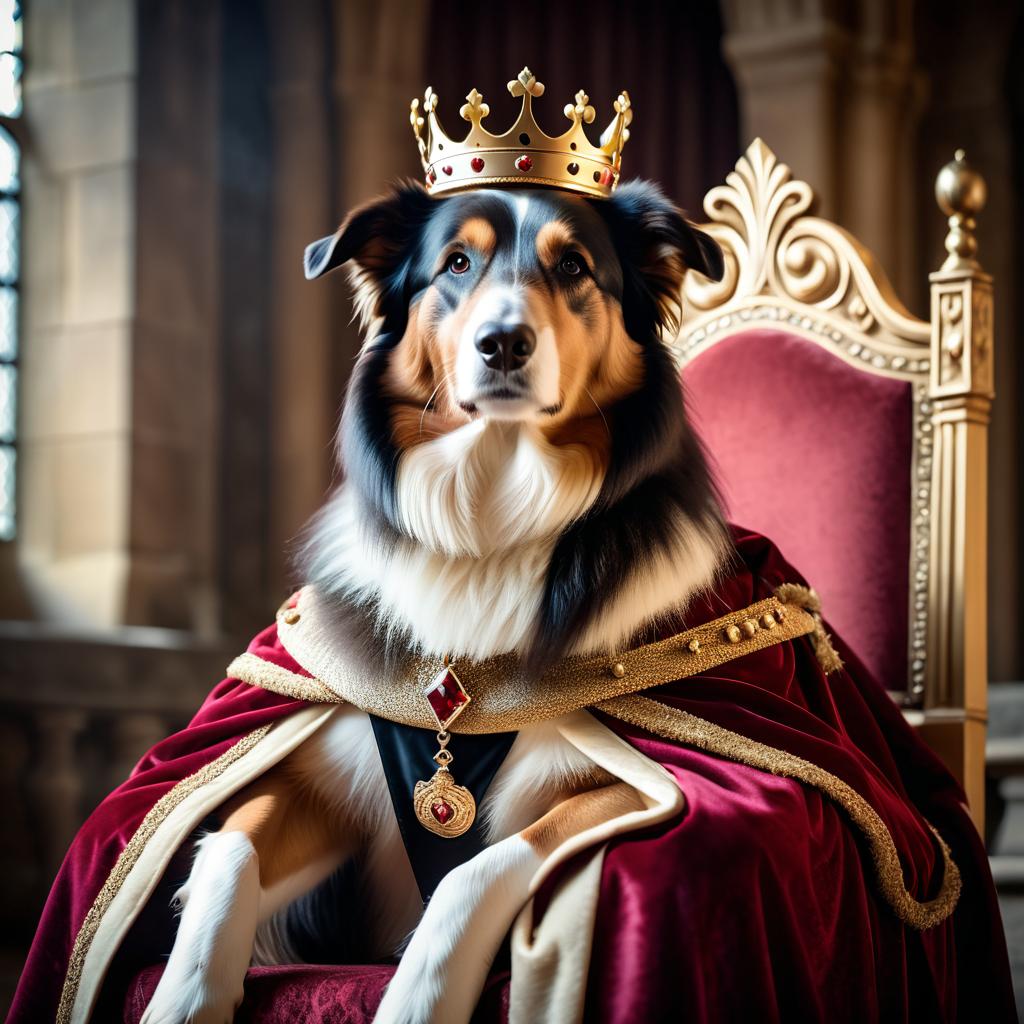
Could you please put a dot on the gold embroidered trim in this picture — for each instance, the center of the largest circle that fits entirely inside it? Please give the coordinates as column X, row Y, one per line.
column 251, row 669
column 679, row 725
column 130, row 854
column 807, row 598
column 503, row 699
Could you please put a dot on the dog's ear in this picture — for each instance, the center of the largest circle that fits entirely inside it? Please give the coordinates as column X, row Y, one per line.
column 378, row 238
column 656, row 246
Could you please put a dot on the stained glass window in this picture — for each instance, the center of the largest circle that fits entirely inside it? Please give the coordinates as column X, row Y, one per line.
column 10, row 237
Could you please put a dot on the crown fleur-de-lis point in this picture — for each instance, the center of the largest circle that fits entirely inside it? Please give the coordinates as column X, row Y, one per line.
column 526, row 83
column 624, row 107
column 416, row 120
column 429, row 101
column 474, row 109
column 582, row 111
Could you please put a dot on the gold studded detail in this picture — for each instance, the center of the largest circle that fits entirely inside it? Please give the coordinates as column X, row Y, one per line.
column 749, row 627
column 291, row 617
column 733, row 634
column 768, row 620
column 618, row 670
column 780, row 614
column 693, row 646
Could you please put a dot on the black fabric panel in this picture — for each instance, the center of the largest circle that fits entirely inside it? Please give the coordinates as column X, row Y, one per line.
column 408, row 757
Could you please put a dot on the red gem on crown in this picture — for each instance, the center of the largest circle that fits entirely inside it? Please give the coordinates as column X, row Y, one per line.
column 477, row 163
column 524, row 163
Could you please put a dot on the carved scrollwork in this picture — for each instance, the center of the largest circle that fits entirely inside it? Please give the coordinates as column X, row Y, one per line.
column 773, row 247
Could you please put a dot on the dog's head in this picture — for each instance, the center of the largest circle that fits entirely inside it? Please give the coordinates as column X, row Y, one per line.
column 527, row 305
column 517, row 304
column 538, row 312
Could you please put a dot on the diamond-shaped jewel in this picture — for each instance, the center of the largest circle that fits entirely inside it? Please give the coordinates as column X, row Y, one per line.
column 446, row 696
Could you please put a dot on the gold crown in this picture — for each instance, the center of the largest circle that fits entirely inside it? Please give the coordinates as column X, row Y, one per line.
column 524, row 155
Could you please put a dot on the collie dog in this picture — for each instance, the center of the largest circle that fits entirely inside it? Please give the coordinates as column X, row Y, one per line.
column 519, row 476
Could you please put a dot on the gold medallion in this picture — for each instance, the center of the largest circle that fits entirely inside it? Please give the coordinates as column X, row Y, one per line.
column 442, row 806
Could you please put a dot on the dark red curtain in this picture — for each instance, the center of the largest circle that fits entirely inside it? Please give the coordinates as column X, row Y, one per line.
column 666, row 54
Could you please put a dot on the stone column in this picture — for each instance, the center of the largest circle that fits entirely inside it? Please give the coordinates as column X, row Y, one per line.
column 832, row 91
column 789, row 62
column 78, row 306
column 304, row 315
column 378, row 61
column 119, row 301
column 56, row 784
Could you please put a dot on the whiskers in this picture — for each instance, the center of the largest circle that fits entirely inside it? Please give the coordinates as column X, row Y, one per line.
column 433, row 394
column 600, row 411
column 571, row 366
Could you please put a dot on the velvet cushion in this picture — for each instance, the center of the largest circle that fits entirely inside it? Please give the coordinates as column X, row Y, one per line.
column 315, row 994
column 815, row 454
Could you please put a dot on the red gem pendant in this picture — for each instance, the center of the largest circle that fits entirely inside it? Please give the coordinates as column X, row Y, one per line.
column 477, row 163
column 524, row 163
column 447, row 697
column 442, row 806
column 442, row 811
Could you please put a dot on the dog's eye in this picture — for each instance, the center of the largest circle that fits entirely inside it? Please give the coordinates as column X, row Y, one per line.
column 571, row 264
column 458, row 263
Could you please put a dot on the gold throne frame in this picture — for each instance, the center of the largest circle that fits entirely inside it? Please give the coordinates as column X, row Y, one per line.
column 785, row 267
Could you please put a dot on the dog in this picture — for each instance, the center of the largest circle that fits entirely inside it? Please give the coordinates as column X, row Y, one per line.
column 519, row 476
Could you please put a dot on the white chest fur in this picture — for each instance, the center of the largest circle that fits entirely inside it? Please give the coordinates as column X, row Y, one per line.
column 342, row 766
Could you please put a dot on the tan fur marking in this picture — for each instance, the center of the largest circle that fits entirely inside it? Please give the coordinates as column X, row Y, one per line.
column 554, row 239
column 416, row 375
column 284, row 826
column 580, row 812
column 600, row 364
column 477, row 233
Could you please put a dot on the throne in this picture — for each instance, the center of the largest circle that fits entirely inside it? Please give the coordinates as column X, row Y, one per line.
column 855, row 435
column 852, row 434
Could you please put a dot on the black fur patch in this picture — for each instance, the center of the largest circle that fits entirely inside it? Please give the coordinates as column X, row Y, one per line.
column 657, row 474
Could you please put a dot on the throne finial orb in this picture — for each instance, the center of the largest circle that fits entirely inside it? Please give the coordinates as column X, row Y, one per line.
column 961, row 193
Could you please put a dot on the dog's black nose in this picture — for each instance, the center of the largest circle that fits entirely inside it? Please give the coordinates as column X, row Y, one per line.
column 505, row 346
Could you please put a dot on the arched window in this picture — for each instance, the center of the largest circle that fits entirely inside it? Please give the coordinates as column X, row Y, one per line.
column 10, row 159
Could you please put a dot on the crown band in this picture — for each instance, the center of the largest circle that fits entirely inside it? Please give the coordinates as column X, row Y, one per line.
column 524, row 156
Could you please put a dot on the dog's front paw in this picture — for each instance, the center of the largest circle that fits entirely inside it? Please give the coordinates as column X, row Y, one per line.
column 191, row 1003
column 405, row 1003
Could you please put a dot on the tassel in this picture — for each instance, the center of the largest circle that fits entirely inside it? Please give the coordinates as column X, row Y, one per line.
column 808, row 599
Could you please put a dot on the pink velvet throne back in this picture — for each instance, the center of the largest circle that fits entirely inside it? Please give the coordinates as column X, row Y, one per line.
column 816, row 454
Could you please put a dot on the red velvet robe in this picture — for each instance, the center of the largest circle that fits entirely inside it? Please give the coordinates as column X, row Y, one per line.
column 760, row 902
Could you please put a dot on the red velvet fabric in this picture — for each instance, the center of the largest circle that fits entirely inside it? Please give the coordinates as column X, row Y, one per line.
column 314, row 993
column 765, row 889
column 760, row 902
column 816, row 455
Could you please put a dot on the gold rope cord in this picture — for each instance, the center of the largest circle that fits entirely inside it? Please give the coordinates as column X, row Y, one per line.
column 252, row 669
column 130, row 855
column 679, row 725
column 502, row 698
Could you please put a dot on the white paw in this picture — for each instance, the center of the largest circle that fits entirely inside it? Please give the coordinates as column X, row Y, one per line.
column 193, row 1003
column 445, row 965
column 202, row 982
